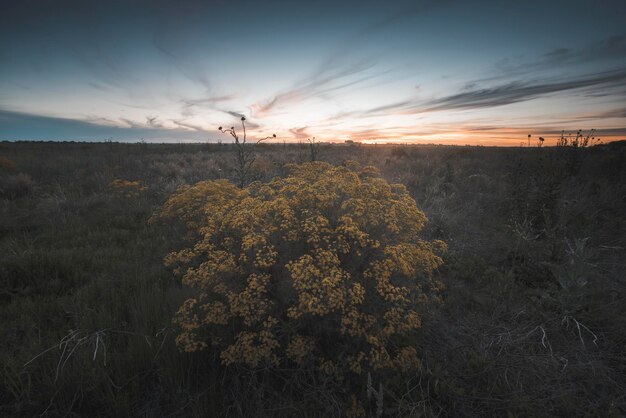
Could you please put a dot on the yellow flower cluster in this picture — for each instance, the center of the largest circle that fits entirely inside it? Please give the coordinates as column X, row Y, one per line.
column 126, row 188
column 253, row 347
column 320, row 283
column 299, row 348
column 190, row 204
column 324, row 267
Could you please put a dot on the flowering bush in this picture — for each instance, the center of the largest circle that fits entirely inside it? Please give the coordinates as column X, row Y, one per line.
column 323, row 268
column 126, row 188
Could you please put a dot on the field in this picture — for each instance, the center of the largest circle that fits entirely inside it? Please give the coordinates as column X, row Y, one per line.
column 531, row 322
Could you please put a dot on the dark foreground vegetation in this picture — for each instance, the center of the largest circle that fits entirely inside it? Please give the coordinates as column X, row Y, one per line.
column 532, row 320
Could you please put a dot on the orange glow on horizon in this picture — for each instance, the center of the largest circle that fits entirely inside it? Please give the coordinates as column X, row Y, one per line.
column 506, row 137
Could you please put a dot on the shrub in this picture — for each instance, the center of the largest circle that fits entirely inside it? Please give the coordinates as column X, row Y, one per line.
column 13, row 186
column 126, row 188
column 37, row 272
column 322, row 269
column 6, row 164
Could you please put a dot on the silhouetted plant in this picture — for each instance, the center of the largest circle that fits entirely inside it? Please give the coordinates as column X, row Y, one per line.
column 313, row 148
column 580, row 140
column 109, row 143
column 245, row 153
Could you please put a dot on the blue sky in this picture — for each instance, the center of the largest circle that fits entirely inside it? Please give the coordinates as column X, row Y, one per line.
column 475, row 72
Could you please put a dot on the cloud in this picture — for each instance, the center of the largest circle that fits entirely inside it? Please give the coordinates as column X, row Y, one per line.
column 238, row 115
column 190, row 69
column 25, row 126
column 152, row 122
column 500, row 95
column 335, row 72
column 611, row 49
column 187, row 125
column 349, row 44
column 617, row 113
column 188, row 105
column 390, row 108
column 300, row 133
column 249, row 124
column 132, row 123
column 100, row 120
column 518, row 91
column 317, row 85
column 608, row 114
column 548, row 131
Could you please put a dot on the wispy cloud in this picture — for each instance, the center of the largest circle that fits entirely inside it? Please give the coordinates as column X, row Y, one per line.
column 401, row 106
column 471, row 97
column 14, row 124
column 188, row 105
column 317, row 85
column 347, row 46
column 251, row 125
column 548, row 131
column 338, row 70
column 611, row 48
column 592, row 116
column 188, row 125
column 610, row 51
column 153, row 122
column 192, row 70
column 360, row 70
column 519, row 91
column 300, row 133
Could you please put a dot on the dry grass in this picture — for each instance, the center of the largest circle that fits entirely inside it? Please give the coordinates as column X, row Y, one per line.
column 532, row 322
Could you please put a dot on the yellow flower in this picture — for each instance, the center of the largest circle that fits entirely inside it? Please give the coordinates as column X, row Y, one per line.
column 323, row 267
column 126, row 188
column 299, row 348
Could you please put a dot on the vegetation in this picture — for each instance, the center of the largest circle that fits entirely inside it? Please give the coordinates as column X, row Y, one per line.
column 244, row 151
column 525, row 311
column 319, row 270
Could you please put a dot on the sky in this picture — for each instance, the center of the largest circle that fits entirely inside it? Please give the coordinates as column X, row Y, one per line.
column 447, row 72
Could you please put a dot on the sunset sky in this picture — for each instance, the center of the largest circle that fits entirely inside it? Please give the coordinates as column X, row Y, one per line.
column 449, row 72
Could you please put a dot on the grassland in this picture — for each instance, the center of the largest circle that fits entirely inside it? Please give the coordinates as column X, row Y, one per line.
column 533, row 321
